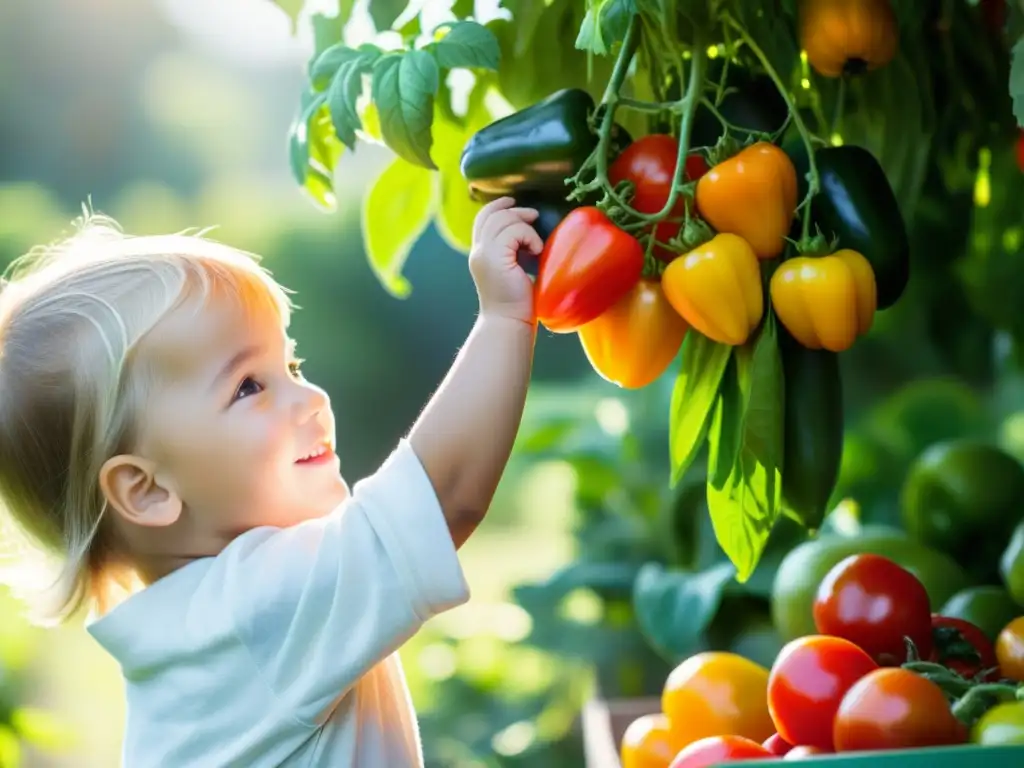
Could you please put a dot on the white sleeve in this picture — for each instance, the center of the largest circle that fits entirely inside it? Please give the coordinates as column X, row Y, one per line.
column 320, row 603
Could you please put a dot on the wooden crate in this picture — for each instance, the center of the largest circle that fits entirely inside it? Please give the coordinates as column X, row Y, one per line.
column 604, row 722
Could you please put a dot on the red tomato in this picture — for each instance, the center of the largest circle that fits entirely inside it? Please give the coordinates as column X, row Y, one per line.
column 719, row 749
column 808, row 681
column 1020, row 150
column 587, row 265
column 777, row 745
column 873, row 602
column 962, row 647
column 650, row 163
column 895, row 709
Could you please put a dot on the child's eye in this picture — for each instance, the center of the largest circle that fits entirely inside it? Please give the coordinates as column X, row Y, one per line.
column 249, row 386
column 295, row 368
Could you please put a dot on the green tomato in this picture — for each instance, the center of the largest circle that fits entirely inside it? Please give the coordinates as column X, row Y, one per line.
column 964, row 497
column 802, row 570
column 988, row 608
column 1003, row 724
column 1011, row 566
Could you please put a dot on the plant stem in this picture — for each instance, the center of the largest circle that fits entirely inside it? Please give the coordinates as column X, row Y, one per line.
column 725, row 123
column 646, row 106
column 837, row 114
column 690, row 101
column 610, row 101
column 814, row 183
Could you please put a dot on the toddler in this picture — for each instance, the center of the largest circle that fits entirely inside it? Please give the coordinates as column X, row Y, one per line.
column 156, row 430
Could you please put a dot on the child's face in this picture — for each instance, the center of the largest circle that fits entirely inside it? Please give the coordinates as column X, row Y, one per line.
column 233, row 425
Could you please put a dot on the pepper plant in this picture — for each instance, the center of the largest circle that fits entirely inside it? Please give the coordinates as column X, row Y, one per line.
column 729, row 148
column 829, row 188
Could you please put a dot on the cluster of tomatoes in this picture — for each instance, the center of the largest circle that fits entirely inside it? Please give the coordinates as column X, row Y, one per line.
column 883, row 673
column 595, row 279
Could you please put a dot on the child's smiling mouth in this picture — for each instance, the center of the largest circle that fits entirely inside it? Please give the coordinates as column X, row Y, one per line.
column 319, row 455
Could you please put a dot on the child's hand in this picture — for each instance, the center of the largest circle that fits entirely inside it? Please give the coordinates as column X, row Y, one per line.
column 499, row 231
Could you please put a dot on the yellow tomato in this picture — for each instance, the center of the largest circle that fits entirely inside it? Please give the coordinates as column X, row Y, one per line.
column 649, row 743
column 1010, row 650
column 718, row 694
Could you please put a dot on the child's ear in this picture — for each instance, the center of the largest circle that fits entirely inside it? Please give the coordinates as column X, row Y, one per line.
column 130, row 485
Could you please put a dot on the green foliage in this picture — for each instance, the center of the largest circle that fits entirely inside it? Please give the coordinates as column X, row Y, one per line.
column 397, row 210
column 745, row 465
column 704, row 364
column 404, row 85
column 314, row 151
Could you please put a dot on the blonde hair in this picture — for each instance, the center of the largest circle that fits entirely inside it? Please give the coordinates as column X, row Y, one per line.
column 71, row 388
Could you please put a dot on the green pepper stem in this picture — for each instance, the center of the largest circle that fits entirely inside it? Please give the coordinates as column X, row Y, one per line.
column 690, row 102
column 646, row 106
column 814, row 183
column 725, row 123
column 837, row 114
column 610, row 101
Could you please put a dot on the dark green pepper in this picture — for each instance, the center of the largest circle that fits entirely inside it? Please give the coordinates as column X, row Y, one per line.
column 752, row 102
column 812, row 430
column 988, row 608
column 535, row 149
column 1011, row 566
column 551, row 211
column 856, row 205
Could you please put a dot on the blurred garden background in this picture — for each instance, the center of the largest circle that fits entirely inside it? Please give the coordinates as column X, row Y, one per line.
column 170, row 114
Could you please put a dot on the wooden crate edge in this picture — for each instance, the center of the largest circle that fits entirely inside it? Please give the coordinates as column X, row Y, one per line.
column 604, row 722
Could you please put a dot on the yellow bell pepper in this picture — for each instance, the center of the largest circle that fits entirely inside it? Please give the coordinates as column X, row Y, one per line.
column 717, row 289
column 825, row 302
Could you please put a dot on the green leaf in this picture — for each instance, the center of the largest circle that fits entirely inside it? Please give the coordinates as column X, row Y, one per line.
column 327, row 64
column 395, row 212
column 463, row 8
column 693, row 398
column 385, row 12
column 604, row 25
column 403, row 90
column 328, row 30
column 10, row 747
column 314, row 150
column 675, row 608
column 467, row 44
column 744, row 502
column 42, row 729
column 729, row 408
column 1017, row 81
column 456, row 210
column 292, row 9
column 345, row 90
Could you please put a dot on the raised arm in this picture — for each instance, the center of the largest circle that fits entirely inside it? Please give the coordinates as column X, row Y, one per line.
column 464, row 436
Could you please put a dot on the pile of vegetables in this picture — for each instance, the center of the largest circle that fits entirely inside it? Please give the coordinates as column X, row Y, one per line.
column 880, row 671
column 733, row 233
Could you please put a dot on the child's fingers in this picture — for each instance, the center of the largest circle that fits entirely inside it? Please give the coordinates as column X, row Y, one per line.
column 521, row 235
column 498, row 221
column 502, row 203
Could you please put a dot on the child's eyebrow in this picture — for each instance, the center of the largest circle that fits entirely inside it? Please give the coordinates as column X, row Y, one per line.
column 236, row 361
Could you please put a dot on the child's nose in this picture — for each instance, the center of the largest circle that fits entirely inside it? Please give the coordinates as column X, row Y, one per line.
column 309, row 402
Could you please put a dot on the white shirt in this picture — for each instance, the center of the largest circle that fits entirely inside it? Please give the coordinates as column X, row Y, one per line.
column 280, row 651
